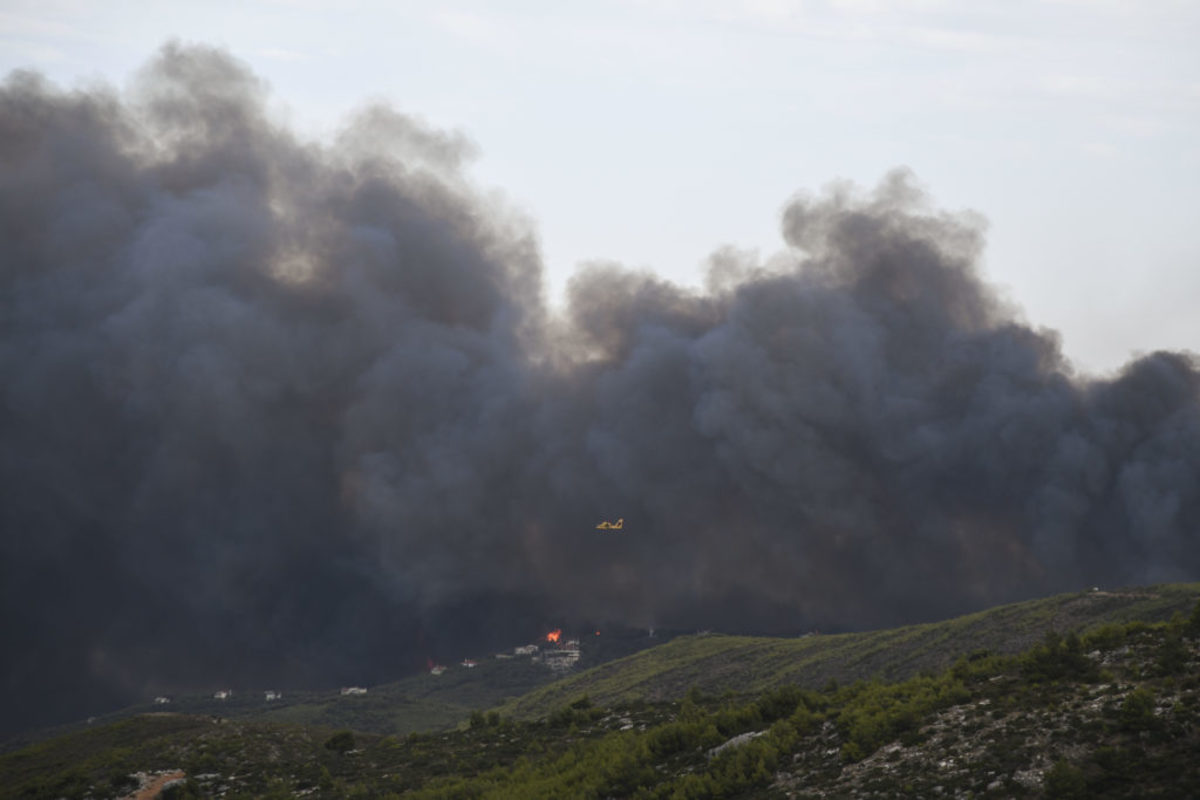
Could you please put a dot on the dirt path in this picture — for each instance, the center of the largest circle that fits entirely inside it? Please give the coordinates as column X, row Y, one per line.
column 152, row 789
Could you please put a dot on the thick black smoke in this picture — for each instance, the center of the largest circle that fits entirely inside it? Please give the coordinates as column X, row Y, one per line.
column 280, row 413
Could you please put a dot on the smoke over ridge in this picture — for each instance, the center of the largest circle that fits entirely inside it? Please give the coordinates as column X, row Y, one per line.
column 282, row 412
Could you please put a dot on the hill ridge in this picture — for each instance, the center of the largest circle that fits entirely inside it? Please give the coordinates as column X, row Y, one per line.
column 718, row 663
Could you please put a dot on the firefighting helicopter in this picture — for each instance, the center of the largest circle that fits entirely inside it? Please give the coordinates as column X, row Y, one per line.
column 611, row 526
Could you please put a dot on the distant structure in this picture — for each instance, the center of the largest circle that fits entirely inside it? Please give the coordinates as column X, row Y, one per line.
column 270, row 695
column 562, row 658
column 161, row 700
column 469, row 664
column 224, row 694
column 526, row 650
column 436, row 669
column 353, row 690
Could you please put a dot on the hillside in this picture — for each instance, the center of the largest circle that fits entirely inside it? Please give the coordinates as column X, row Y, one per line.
column 421, row 702
column 1111, row 714
column 749, row 665
column 427, row 702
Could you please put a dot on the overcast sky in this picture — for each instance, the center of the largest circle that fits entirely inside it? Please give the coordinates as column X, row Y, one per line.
column 653, row 132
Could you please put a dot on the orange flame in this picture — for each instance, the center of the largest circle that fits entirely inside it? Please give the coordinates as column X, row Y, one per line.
column 553, row 636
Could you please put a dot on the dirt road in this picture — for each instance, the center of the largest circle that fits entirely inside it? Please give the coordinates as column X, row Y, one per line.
column 152, row 789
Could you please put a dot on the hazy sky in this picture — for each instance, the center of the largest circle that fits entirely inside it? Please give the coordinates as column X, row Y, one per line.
column 653, row 132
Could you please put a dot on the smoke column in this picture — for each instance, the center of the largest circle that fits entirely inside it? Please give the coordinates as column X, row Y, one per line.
column 277, row 412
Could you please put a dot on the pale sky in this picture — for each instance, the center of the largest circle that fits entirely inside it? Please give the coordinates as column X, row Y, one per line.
column 651, row 132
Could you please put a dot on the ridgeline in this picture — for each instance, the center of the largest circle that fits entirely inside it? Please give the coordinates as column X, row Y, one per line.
column 1087, row 695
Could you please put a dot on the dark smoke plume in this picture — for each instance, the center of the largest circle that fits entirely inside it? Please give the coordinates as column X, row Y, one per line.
column 280, row 413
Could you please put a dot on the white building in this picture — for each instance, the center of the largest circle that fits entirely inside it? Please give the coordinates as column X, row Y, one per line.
column 270, row 695
column 562, row 659
column 349, row 690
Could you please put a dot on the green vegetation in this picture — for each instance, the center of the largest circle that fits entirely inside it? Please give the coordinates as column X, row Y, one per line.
column 340, row 742
column 1064, row 781
column 418, row 703
column 1109, row 711
column 750, row 665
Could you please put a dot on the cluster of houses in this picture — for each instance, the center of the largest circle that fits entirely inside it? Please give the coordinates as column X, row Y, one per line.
column 269, row 695
column 557, row 655
column 224, row 694
column 466, row 663
column 563, row 657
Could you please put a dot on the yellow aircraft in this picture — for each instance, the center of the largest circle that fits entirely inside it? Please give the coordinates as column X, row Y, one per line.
column 611, row 526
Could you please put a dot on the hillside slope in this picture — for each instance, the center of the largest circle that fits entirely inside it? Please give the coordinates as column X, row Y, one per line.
column 716, row 664
column 1112, row 714
column 416, row 703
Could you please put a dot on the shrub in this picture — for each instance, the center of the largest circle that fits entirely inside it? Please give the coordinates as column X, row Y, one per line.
column 780, row 703
column 1192, row 626
column 1106, row 637
column 340, row 742
column 1137, row 712
column 1172, row 655
column 188, row 790
column 1064, row 781
column 122, row 783
column 1057, row 659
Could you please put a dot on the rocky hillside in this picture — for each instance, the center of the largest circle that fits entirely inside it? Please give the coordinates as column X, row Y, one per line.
column 1111, row 713
column 715, row 664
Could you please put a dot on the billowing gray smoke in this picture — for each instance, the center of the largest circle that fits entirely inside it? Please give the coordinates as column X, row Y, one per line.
column 282, row 413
